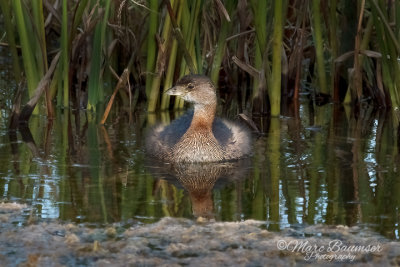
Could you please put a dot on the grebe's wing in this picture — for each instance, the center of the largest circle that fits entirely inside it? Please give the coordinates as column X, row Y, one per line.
column 234, row 138
column 173, row 132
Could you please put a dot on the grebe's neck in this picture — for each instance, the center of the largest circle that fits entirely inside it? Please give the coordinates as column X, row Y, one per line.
column 203, row 116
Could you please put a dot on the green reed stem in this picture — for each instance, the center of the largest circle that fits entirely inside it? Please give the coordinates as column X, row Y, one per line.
column 27, row 53
column 356, row 84
column 189, row 18
column 181, row 36
column 165, row 99
column 105, row 38
column 193, row 26
column 155, row 89
column 275, row 91
column 259, row 10
column 64, row 53
column 385, row 22
column 151, row 45
column 221, row 44
column 333, row 37
column 319, row 45
column 178, row 34
column 95, row 71
column 95, row 85
column 390, row 66
column 41, row 54
column 77, row 19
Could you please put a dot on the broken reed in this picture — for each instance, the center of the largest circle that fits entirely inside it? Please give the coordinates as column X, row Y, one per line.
column 191, row 36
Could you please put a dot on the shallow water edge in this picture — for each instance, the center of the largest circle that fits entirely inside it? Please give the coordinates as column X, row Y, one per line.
column 176, row 242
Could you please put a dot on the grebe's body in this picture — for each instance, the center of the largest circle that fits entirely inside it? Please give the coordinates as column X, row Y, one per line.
column 198, row 136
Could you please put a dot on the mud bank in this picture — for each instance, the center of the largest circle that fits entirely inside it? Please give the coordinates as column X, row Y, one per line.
column 176, row 242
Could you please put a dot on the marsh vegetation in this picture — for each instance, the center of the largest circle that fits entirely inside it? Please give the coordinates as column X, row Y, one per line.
column 319, row 80
column 262, row 54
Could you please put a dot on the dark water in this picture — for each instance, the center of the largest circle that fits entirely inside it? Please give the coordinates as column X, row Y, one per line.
column 320, row 166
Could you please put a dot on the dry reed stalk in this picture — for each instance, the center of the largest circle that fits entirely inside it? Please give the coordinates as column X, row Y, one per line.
column 121, row 82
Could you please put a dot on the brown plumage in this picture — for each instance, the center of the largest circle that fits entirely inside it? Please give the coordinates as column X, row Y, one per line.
column 198, row 136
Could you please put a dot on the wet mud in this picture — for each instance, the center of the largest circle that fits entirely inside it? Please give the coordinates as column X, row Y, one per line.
column 177, row 242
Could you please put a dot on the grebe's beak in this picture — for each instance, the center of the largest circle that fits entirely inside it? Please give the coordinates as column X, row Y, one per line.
column 176, row 90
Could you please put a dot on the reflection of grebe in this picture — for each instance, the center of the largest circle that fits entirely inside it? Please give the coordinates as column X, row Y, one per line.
column 200, row 179
column 197, row 136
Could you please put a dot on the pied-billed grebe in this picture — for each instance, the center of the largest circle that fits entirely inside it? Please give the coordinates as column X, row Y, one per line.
column 198, row 136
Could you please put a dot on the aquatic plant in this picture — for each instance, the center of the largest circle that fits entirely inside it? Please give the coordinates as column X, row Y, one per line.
column 261, row 53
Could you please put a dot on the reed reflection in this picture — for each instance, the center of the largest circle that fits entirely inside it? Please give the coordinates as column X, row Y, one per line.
column 322, row 166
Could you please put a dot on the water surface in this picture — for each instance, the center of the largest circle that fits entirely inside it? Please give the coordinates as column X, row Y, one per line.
column 321, row 166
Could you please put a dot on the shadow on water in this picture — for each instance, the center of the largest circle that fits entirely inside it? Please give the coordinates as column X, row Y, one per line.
column 320, row 165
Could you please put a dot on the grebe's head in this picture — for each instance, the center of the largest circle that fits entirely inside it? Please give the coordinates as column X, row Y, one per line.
column 197, row 89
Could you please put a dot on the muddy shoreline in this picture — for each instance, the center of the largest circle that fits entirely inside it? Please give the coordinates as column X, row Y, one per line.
column 177, row 242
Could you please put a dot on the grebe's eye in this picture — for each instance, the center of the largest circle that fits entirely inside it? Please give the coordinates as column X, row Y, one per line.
column 190, row 86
